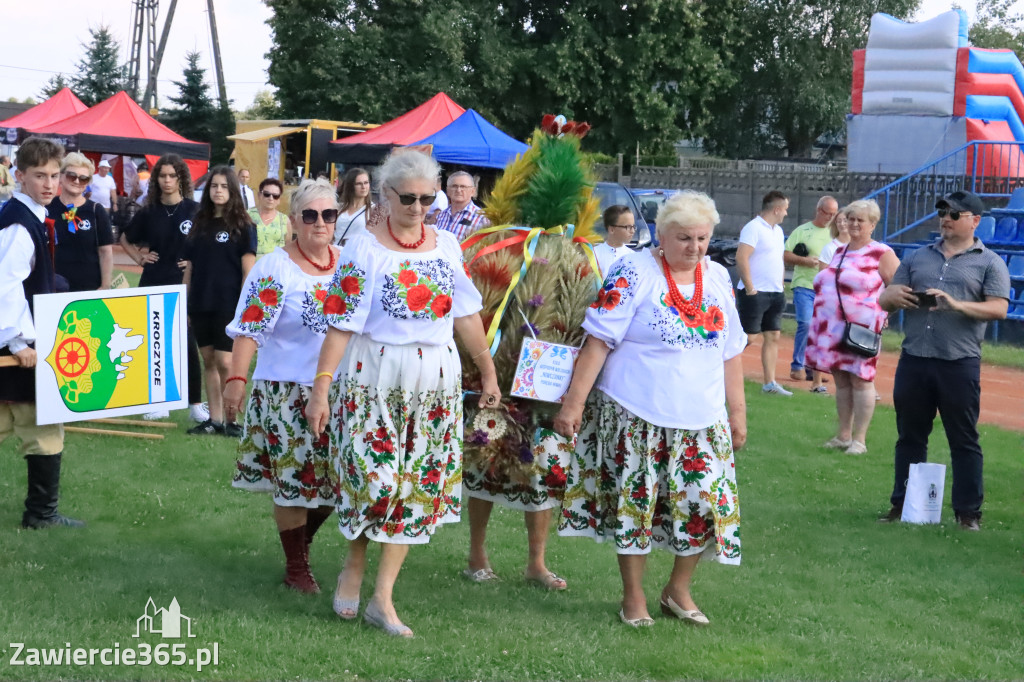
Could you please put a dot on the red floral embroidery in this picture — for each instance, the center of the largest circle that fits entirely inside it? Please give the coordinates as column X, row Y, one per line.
column 268, row 296
column 253, row 313
column 407, row 277
column 417, row 297
column 350, row 285
column 714, row 319
column 334, row 305
column 441, row 305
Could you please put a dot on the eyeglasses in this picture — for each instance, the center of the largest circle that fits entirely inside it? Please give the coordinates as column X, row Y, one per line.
column 953, row 215
column 330, row 216
column 271, row 195
column 460, row 187
column 627, row 228
column 75, row 177
column 410, row 199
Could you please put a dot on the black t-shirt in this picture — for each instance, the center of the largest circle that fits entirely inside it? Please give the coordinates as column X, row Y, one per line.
column 217, row 268
column 164, row 229
column 76, row 255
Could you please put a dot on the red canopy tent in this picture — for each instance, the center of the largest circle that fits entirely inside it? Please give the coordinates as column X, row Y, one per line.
column 62, row 105
column 373, row 145
column 119, row 126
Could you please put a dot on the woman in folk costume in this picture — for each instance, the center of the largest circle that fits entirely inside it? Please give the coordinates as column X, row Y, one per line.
column 399, row 295
column 654, row 464
column 513, row 457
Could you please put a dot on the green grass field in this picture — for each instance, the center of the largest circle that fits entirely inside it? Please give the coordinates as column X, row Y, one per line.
column 824, row 592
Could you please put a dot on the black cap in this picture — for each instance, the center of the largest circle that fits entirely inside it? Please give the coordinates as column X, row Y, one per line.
column 962, row 201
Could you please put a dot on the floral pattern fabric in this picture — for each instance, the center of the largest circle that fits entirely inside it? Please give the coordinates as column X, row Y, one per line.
column 642, row 486
column 278, row 453
column 344, row 293
column 262, row 304
column 400, row 461
column 860, row 285
column 547, row 466
column 421, row 291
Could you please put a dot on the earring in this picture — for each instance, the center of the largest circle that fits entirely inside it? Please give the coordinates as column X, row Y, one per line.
column 661, row 252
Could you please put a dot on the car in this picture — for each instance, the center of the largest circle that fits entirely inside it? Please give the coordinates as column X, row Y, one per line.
column 723, row 252
column 611, row 194
column 651, row 201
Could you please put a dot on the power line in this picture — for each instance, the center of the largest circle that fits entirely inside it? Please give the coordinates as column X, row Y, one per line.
column 162, row 80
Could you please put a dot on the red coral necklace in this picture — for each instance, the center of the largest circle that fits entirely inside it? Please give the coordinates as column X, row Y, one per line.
column 321, row 268
column 414, row 245
column 689, row 308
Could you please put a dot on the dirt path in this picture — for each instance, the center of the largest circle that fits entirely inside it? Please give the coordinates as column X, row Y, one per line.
column 1002, row 388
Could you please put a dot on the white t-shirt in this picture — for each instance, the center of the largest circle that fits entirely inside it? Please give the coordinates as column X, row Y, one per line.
column 281, row 309
column 607, row 255
column 666, row 371
column 829, row 251
column 101, row 188
column 400, row 297
column 767, row 269
column 248, row 198
column 354, row 223
column 440, row 203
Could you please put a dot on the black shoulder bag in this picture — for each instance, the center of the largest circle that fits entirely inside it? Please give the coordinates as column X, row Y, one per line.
column 857, row 338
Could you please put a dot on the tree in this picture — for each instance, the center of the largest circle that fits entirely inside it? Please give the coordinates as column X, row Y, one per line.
column 54, row 85
column 998, row 26
column 794, row 74
column 100, row 75
column 264, row 106
column 196, row 116
column 636, row 74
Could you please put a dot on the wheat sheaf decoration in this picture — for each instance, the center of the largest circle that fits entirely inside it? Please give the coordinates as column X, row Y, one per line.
column 537, row 276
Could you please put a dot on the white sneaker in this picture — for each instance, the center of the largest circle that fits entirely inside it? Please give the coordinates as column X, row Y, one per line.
column 159, row 414
column 775, row 388
column 199, row 412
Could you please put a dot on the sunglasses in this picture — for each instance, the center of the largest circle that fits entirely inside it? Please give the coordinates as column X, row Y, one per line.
column 953, row 215
column 75, row 177
column 330, row 216
column 271, row 195
column 410, row 199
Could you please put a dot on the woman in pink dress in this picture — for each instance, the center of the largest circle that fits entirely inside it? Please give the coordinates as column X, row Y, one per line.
column 858, row 273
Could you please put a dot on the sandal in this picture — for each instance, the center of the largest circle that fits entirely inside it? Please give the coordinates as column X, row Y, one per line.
column 837, row 443
column 635, row 622
column 549, row 582
column 484, row 575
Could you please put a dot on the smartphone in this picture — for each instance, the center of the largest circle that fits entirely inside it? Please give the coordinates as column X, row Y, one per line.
column 925, row 300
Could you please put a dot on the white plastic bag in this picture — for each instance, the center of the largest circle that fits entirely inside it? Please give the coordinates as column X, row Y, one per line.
column 923, row 503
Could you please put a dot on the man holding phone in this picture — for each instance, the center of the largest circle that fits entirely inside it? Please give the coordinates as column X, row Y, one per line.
column 948, row 291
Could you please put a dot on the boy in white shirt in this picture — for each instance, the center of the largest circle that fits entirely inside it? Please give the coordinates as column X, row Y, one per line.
column 26, row 269
column 621, row 226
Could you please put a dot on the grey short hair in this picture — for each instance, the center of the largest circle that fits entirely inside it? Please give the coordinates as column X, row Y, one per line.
column 77, row 159
column 308, row 192
column 824, row 200
column 868, row 206
column 687, row 208
column 459, row 174
column 406, row 165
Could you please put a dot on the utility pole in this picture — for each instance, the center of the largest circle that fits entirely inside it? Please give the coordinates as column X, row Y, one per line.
column 149, row 99
column 143, row 32
column 222, row 89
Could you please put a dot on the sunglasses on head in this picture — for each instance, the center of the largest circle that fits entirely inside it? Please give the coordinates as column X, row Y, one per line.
column 270, row 195
column 410, row 199
column 75, row 177
column 330, row 216
column 953, row 215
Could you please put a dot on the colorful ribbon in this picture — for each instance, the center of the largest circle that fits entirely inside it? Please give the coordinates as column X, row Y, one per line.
column 528, row 237
column 71, row 218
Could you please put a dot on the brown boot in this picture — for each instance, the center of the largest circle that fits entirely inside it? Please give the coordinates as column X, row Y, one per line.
column 296, row 552
column 314, row 519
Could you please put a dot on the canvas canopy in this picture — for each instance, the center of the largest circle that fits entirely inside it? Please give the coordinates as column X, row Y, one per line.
column 62, row 105
column 373, row 145
column 471, row 140
column 119, row 126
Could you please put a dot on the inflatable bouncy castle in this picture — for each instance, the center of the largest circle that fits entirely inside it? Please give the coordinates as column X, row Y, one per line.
column 920, row 92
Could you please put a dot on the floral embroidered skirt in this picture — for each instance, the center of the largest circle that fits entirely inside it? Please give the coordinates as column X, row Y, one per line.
column 647, row 486
column 278, row 454
column 400, row 461
column 544, row 476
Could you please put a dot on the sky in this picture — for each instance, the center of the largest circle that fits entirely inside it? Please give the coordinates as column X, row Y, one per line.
column 33, row 55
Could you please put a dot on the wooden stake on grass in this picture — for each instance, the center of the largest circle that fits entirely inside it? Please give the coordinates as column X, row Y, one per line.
column 111, row 432
column 133, row 422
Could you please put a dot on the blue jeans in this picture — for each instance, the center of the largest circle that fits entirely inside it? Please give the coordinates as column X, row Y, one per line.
column 803, row 301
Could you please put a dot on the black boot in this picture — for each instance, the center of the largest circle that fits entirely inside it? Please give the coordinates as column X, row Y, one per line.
column 314, row 519
column 43, row 489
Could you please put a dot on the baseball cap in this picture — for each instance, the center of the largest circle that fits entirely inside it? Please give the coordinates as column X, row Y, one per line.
column 962, row 201
column 104, row 164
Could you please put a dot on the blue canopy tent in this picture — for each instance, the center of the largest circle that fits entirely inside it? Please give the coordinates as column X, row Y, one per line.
column 470, row 140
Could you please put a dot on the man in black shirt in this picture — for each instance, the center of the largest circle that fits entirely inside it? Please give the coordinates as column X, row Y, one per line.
column 162, row 225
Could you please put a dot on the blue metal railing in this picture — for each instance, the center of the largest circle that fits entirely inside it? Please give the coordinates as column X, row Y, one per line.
column 989, row 169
